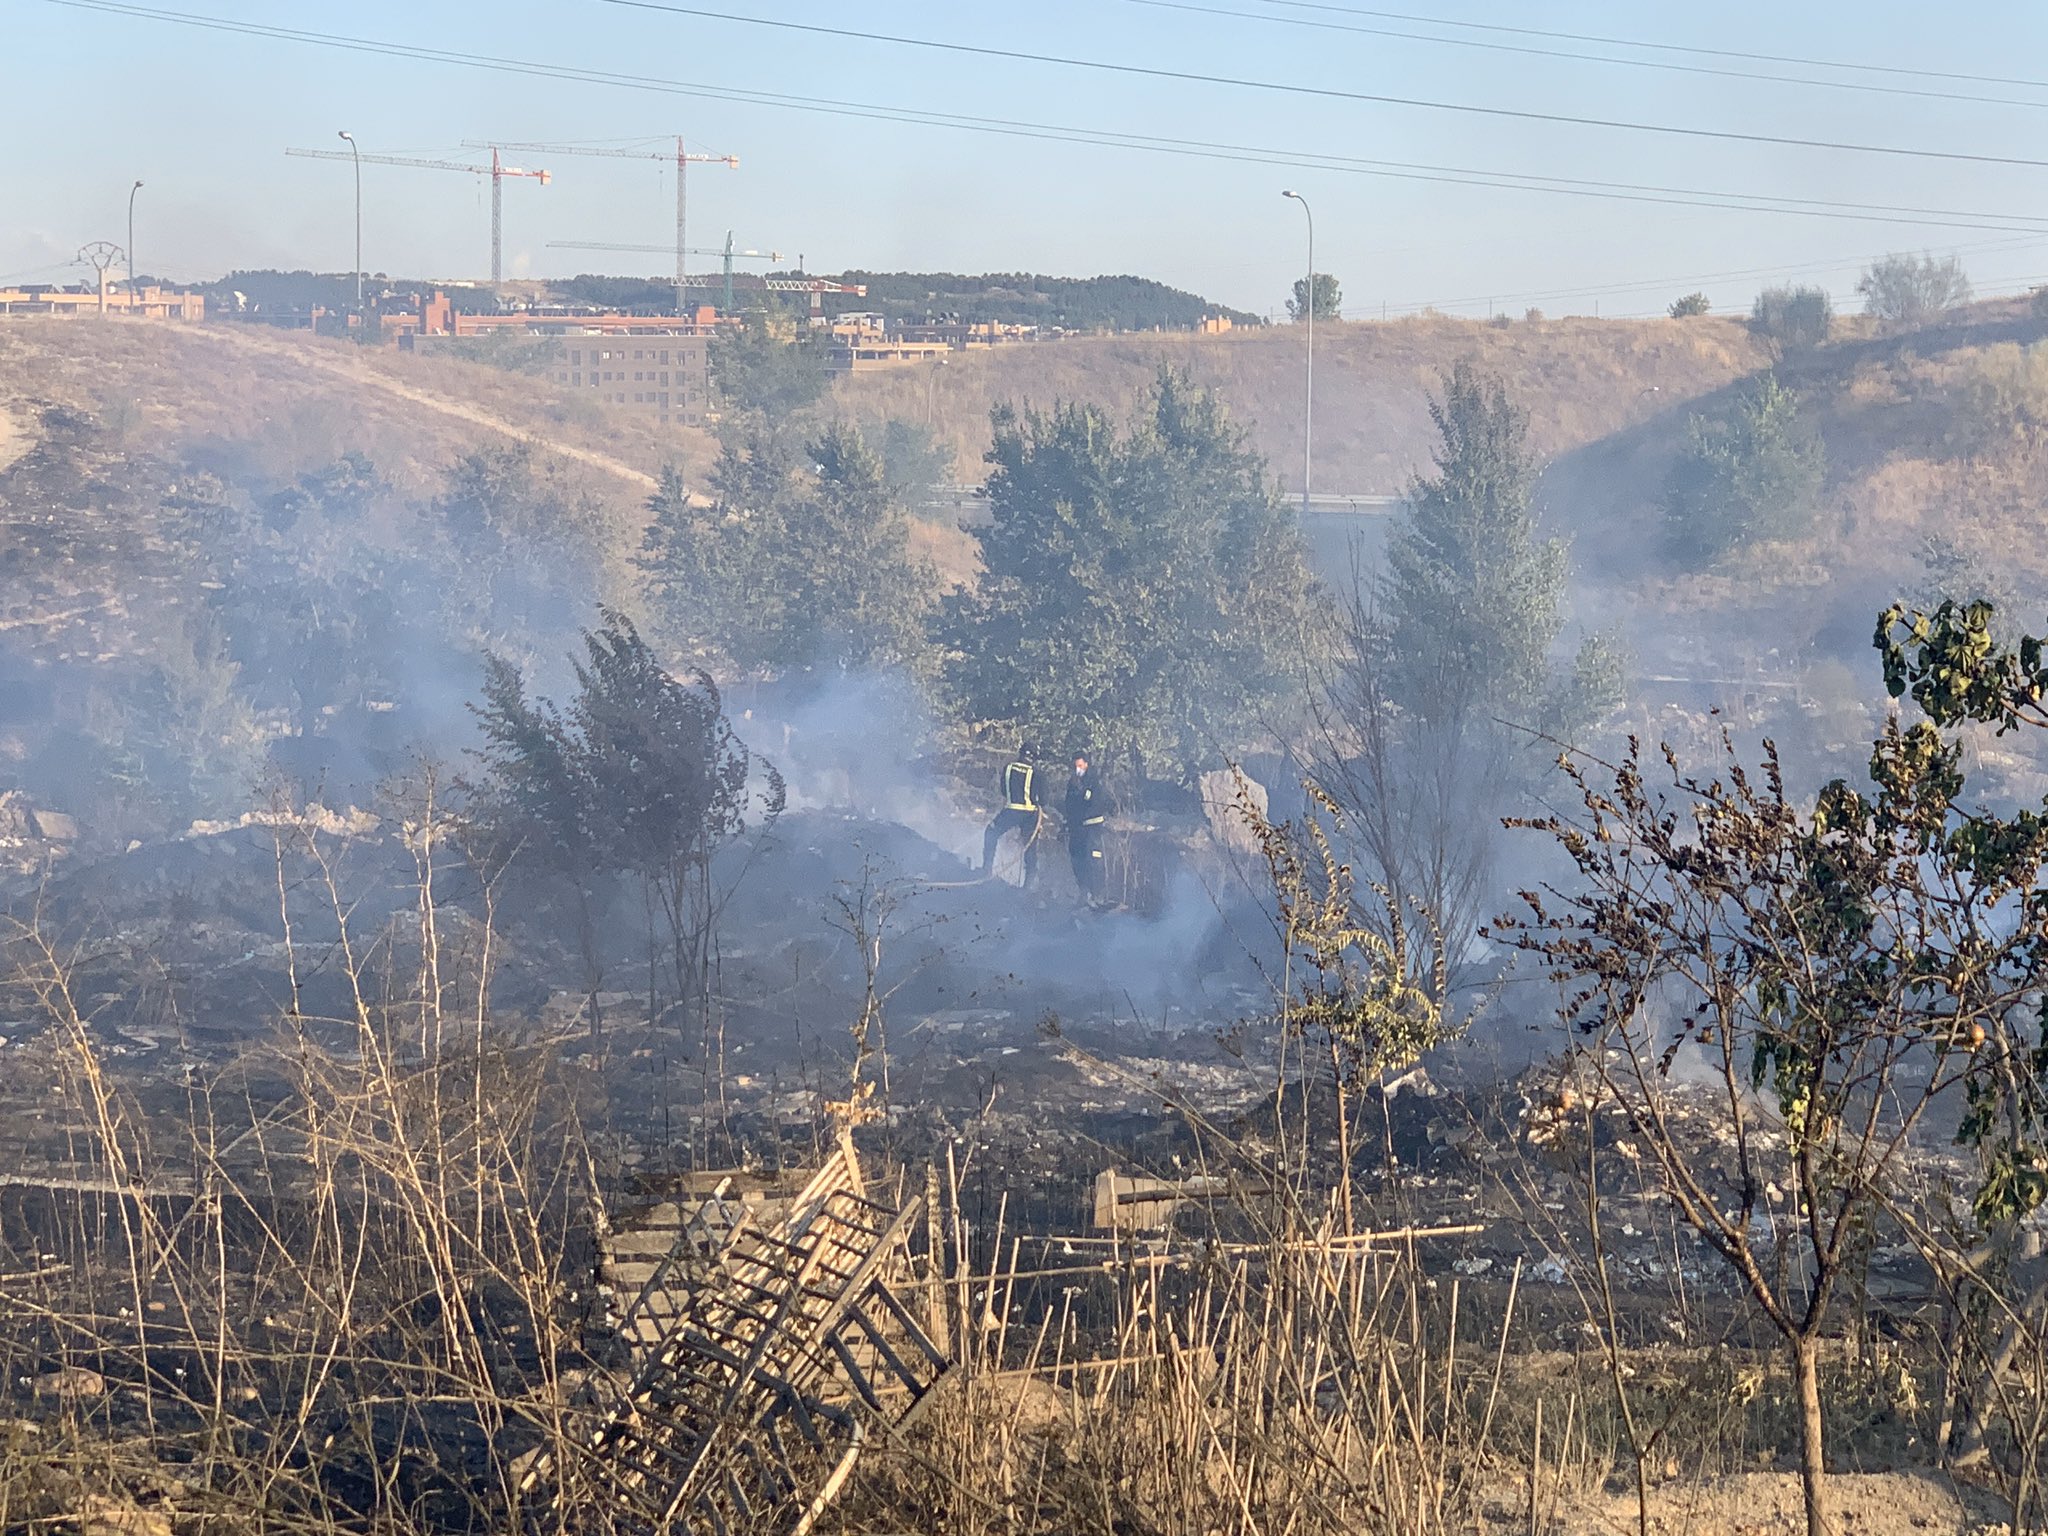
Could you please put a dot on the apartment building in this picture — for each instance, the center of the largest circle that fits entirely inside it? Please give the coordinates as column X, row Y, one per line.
column 666, row 377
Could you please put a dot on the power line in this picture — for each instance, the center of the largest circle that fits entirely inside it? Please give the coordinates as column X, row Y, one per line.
column 1624, row 42
column 1641, row 193
column 1330, row 93
column 1531, row 50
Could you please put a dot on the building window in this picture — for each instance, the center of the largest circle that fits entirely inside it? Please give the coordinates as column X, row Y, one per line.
column 664, row 377
column 636, row 354
column 576, row 356
column 576, row 379
column 664, row 357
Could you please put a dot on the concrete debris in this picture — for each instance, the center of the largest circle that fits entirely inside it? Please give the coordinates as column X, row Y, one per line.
column 352, row 822
column 1224, row 796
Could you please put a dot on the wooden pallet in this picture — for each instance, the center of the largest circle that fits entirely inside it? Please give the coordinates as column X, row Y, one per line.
column 782, row 1351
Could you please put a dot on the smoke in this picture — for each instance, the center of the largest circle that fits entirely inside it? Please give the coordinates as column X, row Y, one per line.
column 856, row 754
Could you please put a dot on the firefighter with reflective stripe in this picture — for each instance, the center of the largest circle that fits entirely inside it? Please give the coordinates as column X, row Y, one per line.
column 1020, row 814
column 1087, row 809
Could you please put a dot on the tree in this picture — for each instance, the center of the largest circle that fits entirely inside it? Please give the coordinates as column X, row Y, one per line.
column 1754, row 473
column 1450, row 642
column 642, row 775
column 1144, row 590
column 1906, row 290
column 1471, row 598
column 1688, row 306
column 528, row 543
column 795, row 563
column 1794, row 318
column 914, row 462
column 1837, row 969
column 1329, row 298
column 756, row 370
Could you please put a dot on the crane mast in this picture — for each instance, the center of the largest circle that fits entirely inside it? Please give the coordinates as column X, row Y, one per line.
column 684, row 159
column 497, row 170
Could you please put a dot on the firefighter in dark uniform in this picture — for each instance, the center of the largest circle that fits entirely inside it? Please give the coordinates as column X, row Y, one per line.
column 1086, row 810
column 1020, row 813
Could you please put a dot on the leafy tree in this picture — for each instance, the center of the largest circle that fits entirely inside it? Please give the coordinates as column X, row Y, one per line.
column 1793, row 317
column 756, row 370
column 529, row 544
column 1752, row 474
column 1688, row 306
column 1843, row 969
column 1453, row 638
column 1471, row 599
column 1904, row 290
column 1143, row 589
column 914, row 463
column 795, row 563
column 1329, row 298
column 641, row 775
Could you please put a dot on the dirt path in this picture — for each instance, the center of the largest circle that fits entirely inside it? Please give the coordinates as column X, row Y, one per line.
column 355, row 373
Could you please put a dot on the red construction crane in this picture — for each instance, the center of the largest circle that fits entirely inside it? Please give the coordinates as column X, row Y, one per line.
column 683, row 161
column 497, row 170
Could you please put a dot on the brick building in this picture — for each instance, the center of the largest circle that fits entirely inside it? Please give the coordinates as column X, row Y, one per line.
column 665, row 376
column 657, row 366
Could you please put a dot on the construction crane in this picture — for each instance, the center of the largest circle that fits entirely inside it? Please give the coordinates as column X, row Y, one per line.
column 683, row 161
column 497, row 170
column 682, row 282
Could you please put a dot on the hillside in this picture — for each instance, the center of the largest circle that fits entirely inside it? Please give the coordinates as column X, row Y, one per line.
column 287, row 401
column 1581, row 379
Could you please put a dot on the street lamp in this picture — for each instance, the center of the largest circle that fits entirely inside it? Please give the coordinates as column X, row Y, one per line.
column 930, row 382
column 131, row 240
column 357, row 154
column 1308, row 396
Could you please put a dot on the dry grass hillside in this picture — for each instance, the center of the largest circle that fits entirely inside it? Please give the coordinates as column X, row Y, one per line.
column 1581, row 379
column 289, row 401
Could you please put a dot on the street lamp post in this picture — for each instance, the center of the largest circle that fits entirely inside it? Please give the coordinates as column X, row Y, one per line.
column 131, row 240
column 930, row 383
column 357, row 155
column 1308, row 396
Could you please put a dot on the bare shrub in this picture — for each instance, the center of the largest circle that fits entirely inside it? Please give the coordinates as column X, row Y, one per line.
column 1906, row 290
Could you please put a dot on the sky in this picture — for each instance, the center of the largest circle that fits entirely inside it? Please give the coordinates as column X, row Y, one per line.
column 93, row 100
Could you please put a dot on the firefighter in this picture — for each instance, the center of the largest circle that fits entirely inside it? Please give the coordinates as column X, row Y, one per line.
column 1020, row 813
column 1086, row 810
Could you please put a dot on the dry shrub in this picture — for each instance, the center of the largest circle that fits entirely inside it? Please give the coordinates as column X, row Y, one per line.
column 2002, row 399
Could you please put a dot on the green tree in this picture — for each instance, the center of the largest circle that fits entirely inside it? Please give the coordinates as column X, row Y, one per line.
column 1143, row 591
column 527, row 541
column 642, row 775
column 796, row 562
column 1904, row 290
column 1754, row 473
column 1329, row 298
column 1792, row 317
column 1847, row 969
column 914, row 462
column 755, row 368
column 1451, row 640
column 1690, row 305
column 1471, row 599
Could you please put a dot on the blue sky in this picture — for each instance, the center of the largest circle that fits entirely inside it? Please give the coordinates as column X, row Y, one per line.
column 89, row 102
